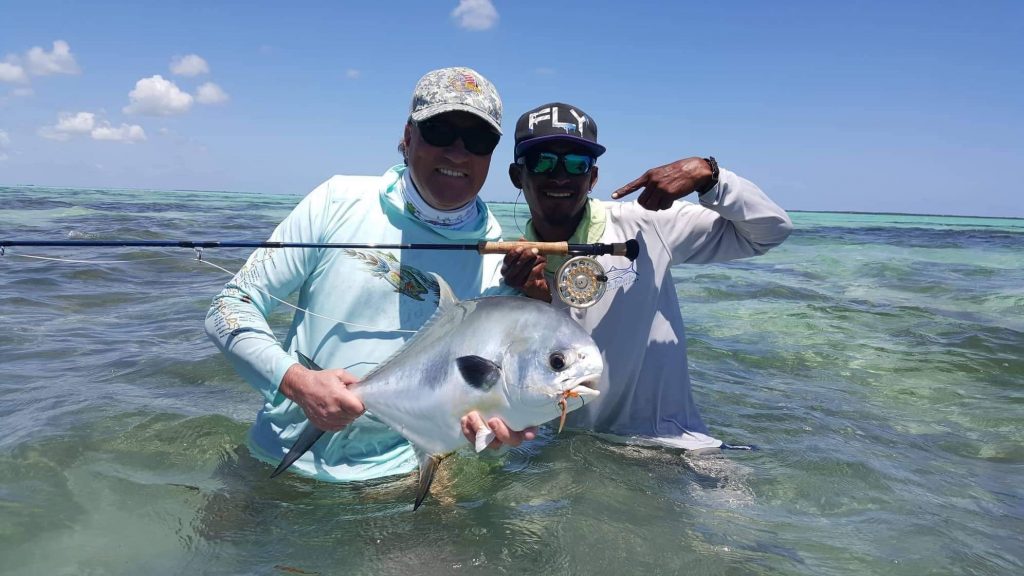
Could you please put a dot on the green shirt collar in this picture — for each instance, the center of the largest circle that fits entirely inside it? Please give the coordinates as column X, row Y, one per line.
column 589, row 231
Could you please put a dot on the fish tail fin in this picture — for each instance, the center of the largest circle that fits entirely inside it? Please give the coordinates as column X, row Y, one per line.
column 306, row 440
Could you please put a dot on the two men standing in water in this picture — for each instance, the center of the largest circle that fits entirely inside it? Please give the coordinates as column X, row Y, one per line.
column 453, row 128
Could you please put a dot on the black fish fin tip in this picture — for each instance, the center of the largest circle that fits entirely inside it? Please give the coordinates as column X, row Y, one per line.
column 305, row 441
column 307, row 362
column 428, row 467
column 478, row 372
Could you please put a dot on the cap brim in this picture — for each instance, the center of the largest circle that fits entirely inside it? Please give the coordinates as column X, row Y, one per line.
column 594, row 148
column 431, row 111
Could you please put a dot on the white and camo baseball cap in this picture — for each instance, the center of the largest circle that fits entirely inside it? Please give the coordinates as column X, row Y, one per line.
column 456, row 89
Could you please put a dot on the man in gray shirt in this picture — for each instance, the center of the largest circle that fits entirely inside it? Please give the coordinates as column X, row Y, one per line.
column 645, row 393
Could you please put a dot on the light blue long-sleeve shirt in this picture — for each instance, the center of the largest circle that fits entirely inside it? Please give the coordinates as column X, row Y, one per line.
column 356, row 300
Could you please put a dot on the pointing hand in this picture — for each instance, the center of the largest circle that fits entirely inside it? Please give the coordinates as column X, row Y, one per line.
column 666, row 184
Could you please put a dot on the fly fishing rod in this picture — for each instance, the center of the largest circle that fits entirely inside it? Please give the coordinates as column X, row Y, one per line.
column 580, row 280
column 630, row 249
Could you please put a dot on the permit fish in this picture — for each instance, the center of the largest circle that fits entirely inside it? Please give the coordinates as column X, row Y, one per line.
column 506, row 356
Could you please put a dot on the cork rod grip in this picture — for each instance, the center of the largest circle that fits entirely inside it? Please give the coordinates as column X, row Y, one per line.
column 505, row 247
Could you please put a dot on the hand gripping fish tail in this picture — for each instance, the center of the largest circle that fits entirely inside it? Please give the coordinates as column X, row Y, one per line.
column 508, row 357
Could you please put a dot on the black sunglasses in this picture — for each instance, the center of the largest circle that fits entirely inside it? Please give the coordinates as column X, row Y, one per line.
column 546, row 162
column 478, row 141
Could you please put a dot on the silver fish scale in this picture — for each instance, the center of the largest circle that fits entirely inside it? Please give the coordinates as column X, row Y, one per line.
column 421, row 394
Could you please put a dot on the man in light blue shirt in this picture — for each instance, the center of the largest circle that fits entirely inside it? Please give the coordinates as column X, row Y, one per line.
column 358, row 306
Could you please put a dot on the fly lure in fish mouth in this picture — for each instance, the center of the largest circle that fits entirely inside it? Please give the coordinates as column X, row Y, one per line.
column 589, row 389
column 563, row 404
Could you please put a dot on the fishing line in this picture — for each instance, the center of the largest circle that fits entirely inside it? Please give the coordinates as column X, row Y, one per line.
column 514, row 218
column 580, row 282
column 89, row 261
column 199, row 258
column 307, row 311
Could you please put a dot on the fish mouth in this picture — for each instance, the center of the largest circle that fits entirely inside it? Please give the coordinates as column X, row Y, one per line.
column 582, row 386
column 579, row 388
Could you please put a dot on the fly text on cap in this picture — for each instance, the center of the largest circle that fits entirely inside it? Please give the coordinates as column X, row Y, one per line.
column 552, row 115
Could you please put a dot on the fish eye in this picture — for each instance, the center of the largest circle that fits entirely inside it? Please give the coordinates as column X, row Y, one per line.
column 557, row 361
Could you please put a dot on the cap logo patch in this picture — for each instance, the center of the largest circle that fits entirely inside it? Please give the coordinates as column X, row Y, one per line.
column 465, row 82
column 551, row 115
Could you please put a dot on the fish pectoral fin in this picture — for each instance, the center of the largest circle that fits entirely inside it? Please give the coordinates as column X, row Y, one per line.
column 428, row 467
column 307, row 362
column 480, row 373
column 484, row 436
column 306, row 440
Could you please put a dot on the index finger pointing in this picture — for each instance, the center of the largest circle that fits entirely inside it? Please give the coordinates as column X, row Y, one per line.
column 631, row 187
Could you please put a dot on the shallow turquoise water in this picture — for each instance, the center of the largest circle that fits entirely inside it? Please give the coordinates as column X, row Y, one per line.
column 876, row 361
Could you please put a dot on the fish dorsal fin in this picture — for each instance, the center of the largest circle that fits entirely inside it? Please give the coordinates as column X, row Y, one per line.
column 307, row 362
column 428, row 467
column 445, row 297
column 480, row 373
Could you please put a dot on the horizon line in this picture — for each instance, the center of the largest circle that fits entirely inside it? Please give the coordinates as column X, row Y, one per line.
column 509, row 202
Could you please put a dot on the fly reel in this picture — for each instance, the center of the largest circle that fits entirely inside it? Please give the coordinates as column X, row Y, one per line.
column 581, row 282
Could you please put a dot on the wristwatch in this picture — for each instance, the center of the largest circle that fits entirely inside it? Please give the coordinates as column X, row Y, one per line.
column 713, row 164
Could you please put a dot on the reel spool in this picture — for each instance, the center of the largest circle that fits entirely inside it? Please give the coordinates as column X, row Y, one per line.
column 581, row 282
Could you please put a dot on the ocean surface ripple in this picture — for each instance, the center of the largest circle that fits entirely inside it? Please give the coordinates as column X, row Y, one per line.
column 876, row 361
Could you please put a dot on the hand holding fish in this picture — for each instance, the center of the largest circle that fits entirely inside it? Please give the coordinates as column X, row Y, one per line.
column 474, row 427
column 323, row 395
column 666, row 184
column 523, row 268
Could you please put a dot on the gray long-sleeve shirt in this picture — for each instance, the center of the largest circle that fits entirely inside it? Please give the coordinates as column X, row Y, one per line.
column 638, row 324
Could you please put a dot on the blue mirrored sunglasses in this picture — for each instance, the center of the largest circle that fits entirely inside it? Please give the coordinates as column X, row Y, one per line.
column 547, row 162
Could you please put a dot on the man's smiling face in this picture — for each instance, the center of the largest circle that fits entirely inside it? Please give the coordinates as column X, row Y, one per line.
column 447, row 177
column 556, row 197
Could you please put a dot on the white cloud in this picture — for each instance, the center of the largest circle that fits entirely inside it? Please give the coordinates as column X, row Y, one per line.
column 59, row 61
column 37, row 62
column 475, row 14
column 5, row 142
column 69, row 125
column 10, row 71
column 85, row 123
column 124, row 133
column 75, row 123
column 25, row 91
column 210, row 93
column 155, row 96
column 190, row 65
column 352, row 74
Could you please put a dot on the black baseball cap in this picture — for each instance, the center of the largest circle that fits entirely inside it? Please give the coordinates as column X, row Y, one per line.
column 556, row 121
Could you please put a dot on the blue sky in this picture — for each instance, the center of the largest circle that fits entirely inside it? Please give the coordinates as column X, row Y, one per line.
column 866, row 106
